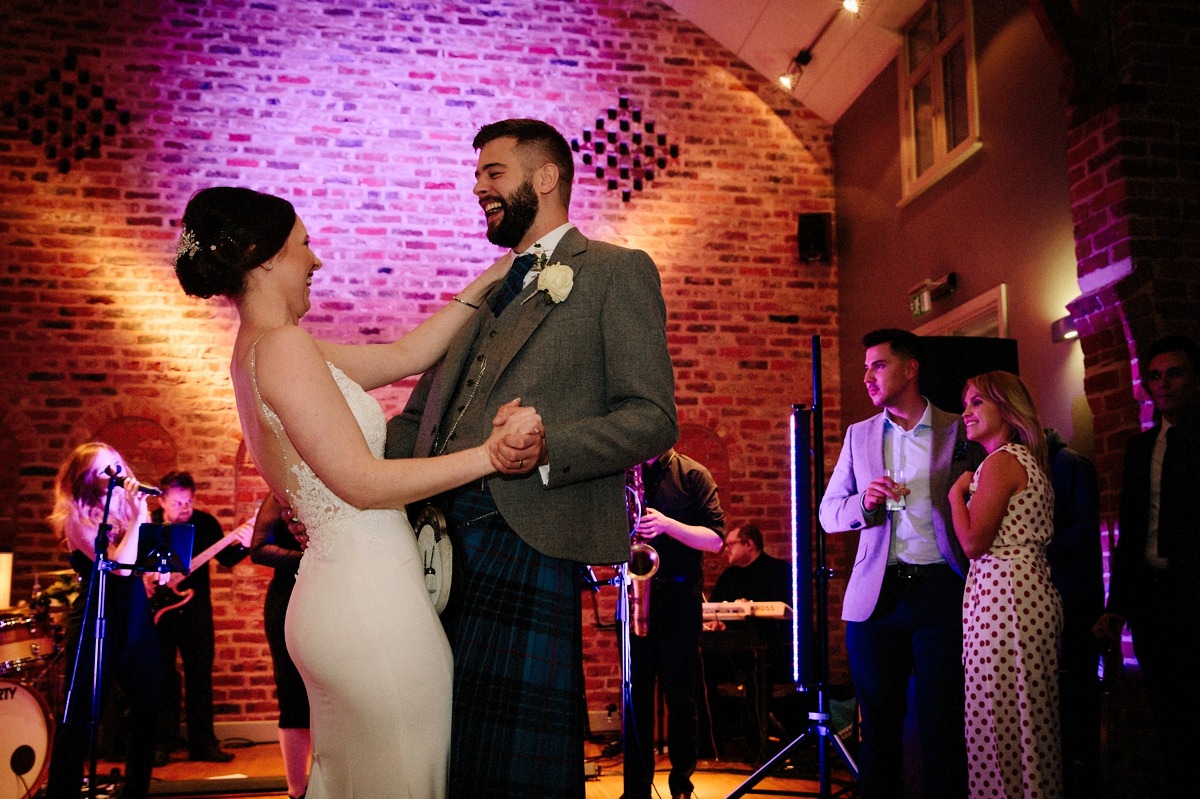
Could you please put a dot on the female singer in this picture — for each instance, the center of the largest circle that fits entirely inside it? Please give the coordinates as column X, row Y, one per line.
column 130, row 653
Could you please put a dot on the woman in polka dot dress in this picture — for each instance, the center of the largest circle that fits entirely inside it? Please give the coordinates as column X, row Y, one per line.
column 1012, row 614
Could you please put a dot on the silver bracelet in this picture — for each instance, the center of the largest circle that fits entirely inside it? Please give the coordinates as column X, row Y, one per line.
column 464, row 302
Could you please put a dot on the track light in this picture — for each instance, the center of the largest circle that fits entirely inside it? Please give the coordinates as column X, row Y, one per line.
column 795, row 68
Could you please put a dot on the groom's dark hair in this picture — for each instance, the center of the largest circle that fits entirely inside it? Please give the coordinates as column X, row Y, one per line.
column 536, row 138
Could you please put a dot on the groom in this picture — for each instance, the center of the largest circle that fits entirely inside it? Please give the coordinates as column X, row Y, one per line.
column 584, row 342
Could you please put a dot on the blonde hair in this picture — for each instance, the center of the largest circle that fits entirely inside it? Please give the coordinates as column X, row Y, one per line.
column 1017, row 410
column 80, row 488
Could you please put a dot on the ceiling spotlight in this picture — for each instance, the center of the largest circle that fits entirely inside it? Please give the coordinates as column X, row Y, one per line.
column 795, row 68
column 850, row 5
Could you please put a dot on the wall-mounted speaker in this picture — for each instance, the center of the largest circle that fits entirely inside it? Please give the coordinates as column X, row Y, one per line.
column 813, row 233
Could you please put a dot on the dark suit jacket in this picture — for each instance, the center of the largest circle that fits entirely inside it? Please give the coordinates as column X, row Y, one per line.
column 596, row 368
column 1129, row 567
column 860, row 462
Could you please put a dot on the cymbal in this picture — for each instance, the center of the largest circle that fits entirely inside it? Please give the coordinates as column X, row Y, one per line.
column 60, row 573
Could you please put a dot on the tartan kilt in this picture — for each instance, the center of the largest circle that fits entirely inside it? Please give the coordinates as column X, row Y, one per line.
column 516, row 632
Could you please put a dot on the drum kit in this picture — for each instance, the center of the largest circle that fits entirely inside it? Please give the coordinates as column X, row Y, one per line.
column 31, row 682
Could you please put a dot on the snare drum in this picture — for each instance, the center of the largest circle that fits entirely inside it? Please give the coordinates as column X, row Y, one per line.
column 25, row 735
column 25, row 639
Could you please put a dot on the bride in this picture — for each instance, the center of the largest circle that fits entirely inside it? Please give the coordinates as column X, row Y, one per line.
column 360, row 625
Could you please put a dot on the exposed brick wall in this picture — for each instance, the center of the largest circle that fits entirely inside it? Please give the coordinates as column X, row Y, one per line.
column 362, row 115
column 1134, row 167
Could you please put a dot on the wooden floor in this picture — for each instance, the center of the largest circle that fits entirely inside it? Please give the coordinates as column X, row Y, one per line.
column 256, row 771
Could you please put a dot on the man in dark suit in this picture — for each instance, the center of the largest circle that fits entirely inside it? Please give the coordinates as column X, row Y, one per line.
column 903, row 603
column 584, row 342
column 1155, row 581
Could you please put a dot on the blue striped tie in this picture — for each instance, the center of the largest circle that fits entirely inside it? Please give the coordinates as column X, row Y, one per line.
column 513, row 283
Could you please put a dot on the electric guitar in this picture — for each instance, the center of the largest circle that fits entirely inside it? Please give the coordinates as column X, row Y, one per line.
column 167, row 597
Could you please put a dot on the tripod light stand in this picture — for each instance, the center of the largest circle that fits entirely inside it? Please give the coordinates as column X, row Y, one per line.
column 810, row 644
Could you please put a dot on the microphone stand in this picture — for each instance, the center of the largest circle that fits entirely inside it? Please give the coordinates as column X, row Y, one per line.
column 94, row 612
column 623, row 582
column 635, row 505
column 628, row 730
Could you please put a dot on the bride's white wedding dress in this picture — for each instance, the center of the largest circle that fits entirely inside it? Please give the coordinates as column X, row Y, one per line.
column 365, row 636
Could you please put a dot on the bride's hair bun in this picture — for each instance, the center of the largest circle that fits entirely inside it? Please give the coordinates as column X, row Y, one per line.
column 228, row 231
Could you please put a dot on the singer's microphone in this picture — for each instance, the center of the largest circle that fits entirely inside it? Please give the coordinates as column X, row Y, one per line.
column 114, row 471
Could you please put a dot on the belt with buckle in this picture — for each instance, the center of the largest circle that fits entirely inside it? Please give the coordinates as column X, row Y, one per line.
column 909, row 571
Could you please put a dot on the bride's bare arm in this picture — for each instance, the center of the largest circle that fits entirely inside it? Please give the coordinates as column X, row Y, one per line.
column 296, row 383
column 375, row 365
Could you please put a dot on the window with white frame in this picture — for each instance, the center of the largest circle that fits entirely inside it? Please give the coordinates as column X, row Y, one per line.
column 939, row 108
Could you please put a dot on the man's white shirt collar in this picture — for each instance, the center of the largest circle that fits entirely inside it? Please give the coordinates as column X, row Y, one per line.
column 549, row 241
column 926, row 419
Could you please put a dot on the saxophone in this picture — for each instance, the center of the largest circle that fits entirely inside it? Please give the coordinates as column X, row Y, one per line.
column 643, row 558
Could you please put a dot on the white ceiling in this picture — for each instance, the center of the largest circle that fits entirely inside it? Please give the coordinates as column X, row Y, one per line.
column 767, row 34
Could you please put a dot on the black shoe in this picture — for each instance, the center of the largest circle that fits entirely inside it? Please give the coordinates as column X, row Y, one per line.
column 211, row 754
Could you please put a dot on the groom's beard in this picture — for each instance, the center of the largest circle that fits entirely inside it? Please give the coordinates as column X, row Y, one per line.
column 520, row 209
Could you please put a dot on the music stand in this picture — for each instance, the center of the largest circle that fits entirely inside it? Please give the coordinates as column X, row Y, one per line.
column 808, row 460
column 161, row 558
column 165, row 548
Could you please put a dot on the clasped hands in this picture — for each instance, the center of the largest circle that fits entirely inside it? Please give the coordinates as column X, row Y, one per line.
column 518, row 443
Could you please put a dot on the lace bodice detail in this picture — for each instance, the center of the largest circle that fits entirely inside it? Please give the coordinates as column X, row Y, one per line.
column 313, row 502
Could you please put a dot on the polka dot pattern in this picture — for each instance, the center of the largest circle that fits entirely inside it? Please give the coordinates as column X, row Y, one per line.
column 1012, row 617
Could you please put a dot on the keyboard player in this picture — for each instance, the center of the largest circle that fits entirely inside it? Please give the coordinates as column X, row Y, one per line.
column 766, row 643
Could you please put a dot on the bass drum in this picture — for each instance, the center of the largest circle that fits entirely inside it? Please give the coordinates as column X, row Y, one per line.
column 25, row 735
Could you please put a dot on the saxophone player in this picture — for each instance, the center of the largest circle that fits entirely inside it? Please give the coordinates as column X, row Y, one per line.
column 683, row 519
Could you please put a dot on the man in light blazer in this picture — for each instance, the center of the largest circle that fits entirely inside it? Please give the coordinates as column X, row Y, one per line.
column 903, row 603
column 583, row 342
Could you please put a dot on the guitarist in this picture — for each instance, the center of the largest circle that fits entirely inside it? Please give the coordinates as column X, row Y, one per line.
column 186, row 627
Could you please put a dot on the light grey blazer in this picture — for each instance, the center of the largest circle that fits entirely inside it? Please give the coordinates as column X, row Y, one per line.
column 860, row 462
column 596, row 368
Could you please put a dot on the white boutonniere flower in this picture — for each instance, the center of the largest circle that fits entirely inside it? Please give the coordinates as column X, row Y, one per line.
column 556, row 281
